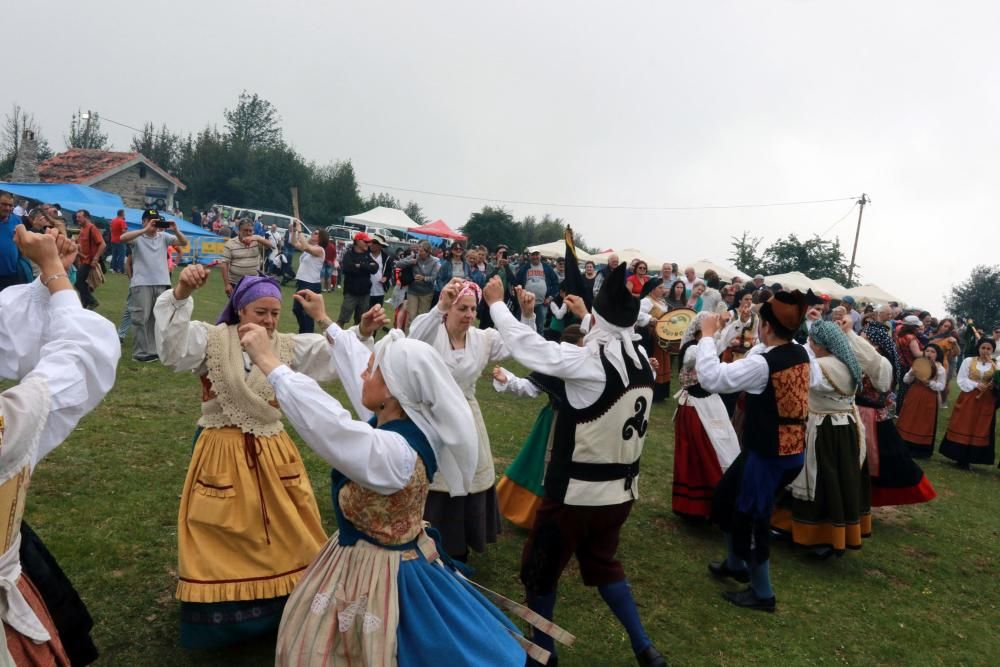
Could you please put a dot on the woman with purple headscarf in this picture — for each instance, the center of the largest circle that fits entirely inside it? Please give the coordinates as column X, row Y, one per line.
column 248, row 523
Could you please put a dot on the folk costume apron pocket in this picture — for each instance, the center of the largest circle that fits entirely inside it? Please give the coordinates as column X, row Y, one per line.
column 290, row 473
column 213, row 501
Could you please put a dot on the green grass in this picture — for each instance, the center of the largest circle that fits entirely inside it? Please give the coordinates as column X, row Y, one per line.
column 923, row 591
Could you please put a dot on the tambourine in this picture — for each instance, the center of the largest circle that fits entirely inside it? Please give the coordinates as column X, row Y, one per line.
column 671, row 326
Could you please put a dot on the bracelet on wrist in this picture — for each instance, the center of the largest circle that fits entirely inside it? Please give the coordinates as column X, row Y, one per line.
column 54, row 276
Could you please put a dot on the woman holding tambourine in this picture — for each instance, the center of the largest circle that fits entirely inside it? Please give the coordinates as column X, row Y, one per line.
column 917, row 423
column 971, row 436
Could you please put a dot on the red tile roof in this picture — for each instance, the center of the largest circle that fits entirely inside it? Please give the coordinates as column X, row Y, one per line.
column 84, row 165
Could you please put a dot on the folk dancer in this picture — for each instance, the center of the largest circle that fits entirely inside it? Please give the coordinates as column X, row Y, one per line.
column 775, row 375
column 65, row 358
column 609, row 388
column 705, row 444
column 971, row 435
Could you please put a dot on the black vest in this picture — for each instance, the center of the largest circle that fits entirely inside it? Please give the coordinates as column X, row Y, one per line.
column 776, row 418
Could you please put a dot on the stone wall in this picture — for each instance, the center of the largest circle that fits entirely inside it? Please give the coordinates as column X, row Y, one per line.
column 135, row 190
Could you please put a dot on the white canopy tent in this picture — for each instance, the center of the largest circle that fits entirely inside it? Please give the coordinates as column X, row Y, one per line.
column 872, row 294
column 557, row 249
column 724, row 272
column 830, row 286
column 628, row 254
column 792, row 280
column 382, row 216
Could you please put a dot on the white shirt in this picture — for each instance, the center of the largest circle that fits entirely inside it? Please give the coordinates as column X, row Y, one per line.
column 964, row 383
column 749, row 374
column 310, row 268
column 376, row 459
column 378, row 287
column 579, row 367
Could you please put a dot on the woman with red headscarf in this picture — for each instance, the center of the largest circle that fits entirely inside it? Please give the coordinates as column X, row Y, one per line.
column 469, row 521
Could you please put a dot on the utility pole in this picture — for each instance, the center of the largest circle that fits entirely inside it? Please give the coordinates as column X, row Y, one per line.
column 850, row 270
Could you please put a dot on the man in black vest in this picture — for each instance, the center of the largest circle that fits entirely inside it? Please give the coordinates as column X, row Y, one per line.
column 608, row 387
column 775, row 375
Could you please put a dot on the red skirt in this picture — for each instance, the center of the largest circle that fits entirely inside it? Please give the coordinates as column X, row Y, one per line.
column 25, row 651
column 970, row 436
column 696, row 467
column 917, row 424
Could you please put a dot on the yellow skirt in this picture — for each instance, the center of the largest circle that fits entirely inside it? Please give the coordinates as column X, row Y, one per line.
column 248, row 523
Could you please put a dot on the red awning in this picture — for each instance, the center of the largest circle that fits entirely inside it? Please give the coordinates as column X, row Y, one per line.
column 438, row 228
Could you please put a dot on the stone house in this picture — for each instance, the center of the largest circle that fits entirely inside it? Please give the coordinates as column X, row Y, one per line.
column 132, row 176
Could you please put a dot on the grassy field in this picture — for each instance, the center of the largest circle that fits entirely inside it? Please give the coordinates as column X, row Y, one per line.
column 923, row 591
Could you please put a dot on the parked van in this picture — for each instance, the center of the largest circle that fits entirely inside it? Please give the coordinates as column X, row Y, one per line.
column 232, row 213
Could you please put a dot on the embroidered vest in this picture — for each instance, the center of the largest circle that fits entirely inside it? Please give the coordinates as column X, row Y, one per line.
column 776, row 418
column 596, row 450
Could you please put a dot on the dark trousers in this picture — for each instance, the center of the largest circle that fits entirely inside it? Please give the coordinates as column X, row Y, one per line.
column 118, row 257
column 306, row 323
column 354, row 305
column 562, row 531
column 86, row 296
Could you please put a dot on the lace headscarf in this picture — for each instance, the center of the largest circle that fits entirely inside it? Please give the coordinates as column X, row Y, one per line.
column 833, row 339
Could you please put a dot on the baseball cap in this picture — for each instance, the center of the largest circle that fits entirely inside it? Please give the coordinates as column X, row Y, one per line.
column 361, row 236
column 151, row 214
column 913, row 321
column 848, row 299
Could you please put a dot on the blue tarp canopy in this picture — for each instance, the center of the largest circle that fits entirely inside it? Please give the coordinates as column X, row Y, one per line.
column 101, row 204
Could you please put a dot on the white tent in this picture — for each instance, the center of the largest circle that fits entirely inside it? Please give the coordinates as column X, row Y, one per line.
column 382, row 216
column 724, row 272
column 557, row 249
column 830, row 286
column 792, row 280
column 872, row 294
column 628, row 254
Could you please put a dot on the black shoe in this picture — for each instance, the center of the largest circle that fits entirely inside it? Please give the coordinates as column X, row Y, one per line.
column 148, row 358
column 821, row 553
column 721, row 569
column 749, row 600
column 650, row 657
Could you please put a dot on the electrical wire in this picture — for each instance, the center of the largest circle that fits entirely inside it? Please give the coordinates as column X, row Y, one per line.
column 604, row 207
column 840, row 219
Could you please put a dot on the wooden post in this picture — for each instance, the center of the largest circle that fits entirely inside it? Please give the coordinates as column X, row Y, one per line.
column 295, row 203
column 850, row 270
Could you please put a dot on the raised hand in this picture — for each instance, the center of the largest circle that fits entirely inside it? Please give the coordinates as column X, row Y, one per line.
column 493, row 291
column 450, row 293
column 373, row 320
column 527, row 301
column 194, row 276
column 256, row 342
column 312, row 303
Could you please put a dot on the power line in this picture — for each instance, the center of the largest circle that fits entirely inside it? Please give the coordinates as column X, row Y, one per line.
column 604, row 207
column 839, row 220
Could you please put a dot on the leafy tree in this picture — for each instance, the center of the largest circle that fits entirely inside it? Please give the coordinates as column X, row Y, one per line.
column 546, row 230
column 14, row 125
column 815, row 257
column 162, row 147
column 415, row 213
column 330, row 193
column 86, row 133
column 377, row 199
column 978, row 297
column 745, row 255
column 253, row 123
column 493, row 226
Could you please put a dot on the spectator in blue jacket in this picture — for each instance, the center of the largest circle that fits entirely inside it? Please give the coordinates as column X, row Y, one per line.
column 541, row 280
column 453, row 265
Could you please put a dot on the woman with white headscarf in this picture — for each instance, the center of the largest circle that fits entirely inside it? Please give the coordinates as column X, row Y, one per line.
column 473, row 520
column 705, row 442
column 378, row 593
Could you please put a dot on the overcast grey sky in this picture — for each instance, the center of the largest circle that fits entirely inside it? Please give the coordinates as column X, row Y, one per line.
column 627, row 103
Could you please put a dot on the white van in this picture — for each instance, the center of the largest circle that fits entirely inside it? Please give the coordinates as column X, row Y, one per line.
column 231, row 213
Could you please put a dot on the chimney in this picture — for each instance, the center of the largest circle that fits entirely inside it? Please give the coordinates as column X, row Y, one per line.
column 26, row 160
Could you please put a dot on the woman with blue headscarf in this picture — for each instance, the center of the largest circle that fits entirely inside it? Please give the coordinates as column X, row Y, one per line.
column 828, row 506
column 248, row 523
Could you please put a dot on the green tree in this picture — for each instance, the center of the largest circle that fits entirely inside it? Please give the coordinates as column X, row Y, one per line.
column 415, row 213
column 85, row 132
column 376, row 199
column 815, row 257
column 330, row 193
column 977, row 297
column 253, row 123
column 493, row 226
column 161, row 146
column 745, row 255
